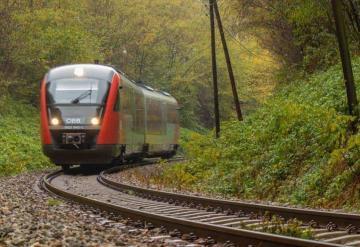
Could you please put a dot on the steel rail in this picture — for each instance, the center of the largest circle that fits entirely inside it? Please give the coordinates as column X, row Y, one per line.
column 240, row 237
column 318, row 217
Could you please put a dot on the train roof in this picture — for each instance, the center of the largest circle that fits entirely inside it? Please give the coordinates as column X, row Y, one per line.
column 89, row 70
column 102, row 72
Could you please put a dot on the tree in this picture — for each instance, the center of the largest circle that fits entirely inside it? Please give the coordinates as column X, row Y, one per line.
column 298, row 32
column 47, row 38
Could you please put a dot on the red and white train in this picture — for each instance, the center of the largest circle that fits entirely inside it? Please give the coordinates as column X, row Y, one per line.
column 93, row 114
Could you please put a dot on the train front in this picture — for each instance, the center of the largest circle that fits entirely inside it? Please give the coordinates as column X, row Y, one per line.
column 76, row 117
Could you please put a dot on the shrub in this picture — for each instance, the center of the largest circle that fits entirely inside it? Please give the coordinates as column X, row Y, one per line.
column 297, row 148
column 19, row 138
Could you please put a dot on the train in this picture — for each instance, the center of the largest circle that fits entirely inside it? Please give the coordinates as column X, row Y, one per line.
column 93, row 114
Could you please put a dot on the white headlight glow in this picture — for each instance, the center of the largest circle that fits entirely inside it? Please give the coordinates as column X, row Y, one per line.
column 55, row 121
column 95, row 121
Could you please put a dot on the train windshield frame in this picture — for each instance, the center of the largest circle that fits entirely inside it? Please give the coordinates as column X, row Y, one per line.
column 77, row 91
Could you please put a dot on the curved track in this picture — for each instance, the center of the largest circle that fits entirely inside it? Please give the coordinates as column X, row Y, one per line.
column 222, row 220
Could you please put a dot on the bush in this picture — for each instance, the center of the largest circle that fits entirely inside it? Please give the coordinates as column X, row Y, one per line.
column 296, row 148
column 19, row 138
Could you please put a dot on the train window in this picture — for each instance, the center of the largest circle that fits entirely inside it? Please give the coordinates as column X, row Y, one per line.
column 139, row 121
column 126, row 104
column 165, row 93
column 172, row 115
column 155, row 121
column 129, row 101
column 77, row 91
column 149, row 88
column 139, row 114
column 163, row 118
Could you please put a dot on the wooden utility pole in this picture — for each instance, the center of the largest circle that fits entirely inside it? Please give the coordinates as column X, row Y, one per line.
column 338, row 10
column 214, row 70
column 228, row 62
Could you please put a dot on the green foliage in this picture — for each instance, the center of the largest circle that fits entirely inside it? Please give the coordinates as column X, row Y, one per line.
column 325, row 89
column 313, row 33
column 44, row 39
column 54, row 202
column 300, row 33
column 292, row 228
column 186, row 136
column 297, row 147
column 178, row 178
column 269, row 150
column 164, row 43
column 19, row 138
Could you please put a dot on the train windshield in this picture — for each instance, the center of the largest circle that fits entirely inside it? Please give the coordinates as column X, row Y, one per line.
column 77, row 91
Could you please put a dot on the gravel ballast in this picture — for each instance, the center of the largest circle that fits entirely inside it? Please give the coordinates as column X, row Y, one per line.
column 30, row 217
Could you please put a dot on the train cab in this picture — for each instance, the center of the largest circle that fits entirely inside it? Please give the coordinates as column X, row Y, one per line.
column 93, row 114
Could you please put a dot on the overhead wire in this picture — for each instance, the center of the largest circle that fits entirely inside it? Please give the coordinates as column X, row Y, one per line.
column 232, row 36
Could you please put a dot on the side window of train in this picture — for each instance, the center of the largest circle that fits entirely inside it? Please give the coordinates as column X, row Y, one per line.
column 163, row 118
column 117, row 103
column 172, row 116
column 126, row 101
column 154, row 117
column 139, row 113
column 132, row 108
column 123, row 99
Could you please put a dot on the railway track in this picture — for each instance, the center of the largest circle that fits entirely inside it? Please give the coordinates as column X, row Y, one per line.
column 234, row 223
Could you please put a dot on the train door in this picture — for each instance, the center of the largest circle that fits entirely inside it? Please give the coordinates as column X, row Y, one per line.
column 118, row 112
column 126, row 111
column 154, row 125
column 172, row 123
column 139, row 123
column 132, row 111
column 164, row 133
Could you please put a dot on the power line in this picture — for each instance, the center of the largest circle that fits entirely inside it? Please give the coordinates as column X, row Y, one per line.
column 232, row 36
column 245, row 48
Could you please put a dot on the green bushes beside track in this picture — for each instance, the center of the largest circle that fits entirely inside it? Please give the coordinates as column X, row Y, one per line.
column 296, row 148
column 19, row 138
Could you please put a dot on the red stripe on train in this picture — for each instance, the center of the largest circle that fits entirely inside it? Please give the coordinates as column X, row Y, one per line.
column 109, row 132
column 44, row 123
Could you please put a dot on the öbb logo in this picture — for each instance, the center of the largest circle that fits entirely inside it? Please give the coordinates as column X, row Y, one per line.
column 73, row 120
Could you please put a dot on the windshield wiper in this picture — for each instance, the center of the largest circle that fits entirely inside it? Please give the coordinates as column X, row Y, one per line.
column 81, row 96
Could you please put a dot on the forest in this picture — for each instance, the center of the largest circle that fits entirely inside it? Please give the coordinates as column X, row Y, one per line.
column 295, row 143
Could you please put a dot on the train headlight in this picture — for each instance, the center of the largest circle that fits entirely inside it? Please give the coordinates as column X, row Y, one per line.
column 95, row 121
column 55, row 121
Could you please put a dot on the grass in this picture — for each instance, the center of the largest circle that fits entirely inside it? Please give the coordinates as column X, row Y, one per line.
column 54, row 202
column 296, row 148
column 277, row 225
column 19, row 138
